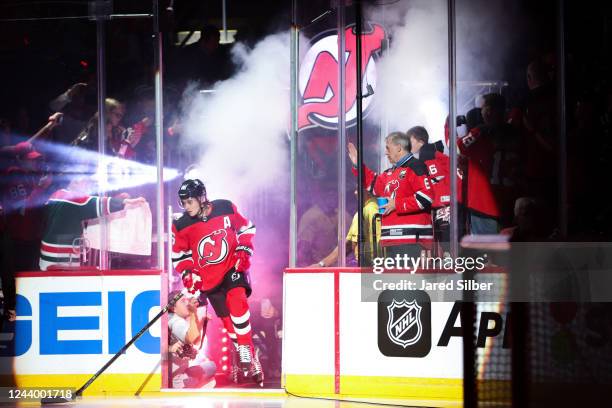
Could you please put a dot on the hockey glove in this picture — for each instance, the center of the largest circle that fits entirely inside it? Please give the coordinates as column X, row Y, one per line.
column 243, row 258
column 192, row 281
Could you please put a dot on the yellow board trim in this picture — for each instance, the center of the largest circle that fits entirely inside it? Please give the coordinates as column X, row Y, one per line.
column 309, row 384
column 411, row 387
column 106, row 384
column 379, row 387
column 359, row 387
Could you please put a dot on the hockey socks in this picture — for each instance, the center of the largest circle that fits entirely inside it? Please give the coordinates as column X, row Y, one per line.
column 239, row 314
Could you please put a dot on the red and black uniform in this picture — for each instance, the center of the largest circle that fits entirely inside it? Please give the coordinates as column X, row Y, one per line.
column 20, row 204
column 492, row 170
column 479, row 151
column 408, row 184
column 438, row 167
column 208, row 247
column 23, row 199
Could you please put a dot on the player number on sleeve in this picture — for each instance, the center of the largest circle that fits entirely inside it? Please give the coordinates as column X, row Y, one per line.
column 18, row 191
column 432, row 170
column 468, row 140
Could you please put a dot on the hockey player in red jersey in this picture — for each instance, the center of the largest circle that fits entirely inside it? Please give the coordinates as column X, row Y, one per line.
column 212, row 246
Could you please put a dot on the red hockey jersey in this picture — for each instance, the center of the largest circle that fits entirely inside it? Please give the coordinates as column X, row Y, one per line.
column 438, row 167
column 492, row 170
column 479, row 151
column 409, row 185
column 208, row 247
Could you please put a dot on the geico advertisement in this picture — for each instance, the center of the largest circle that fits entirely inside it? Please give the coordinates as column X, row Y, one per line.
column 74, row 324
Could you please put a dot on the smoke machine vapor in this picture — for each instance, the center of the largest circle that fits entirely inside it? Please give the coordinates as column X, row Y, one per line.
column 240, row 128
column 412, row 83
column 412, row 74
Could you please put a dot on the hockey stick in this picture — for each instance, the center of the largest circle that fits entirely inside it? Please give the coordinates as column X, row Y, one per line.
column 79, row 392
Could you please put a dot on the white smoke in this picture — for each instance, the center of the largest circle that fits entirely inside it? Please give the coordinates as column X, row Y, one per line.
column 240, row 129
column 412, row 74
column 412, row 83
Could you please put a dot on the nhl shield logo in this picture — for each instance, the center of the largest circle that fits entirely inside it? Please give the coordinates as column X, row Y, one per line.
column 404, row 326
column 404, row 323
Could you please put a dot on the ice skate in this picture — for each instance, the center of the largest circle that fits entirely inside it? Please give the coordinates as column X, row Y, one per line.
column 256, row 372
column 245, row 358
column 234, row 369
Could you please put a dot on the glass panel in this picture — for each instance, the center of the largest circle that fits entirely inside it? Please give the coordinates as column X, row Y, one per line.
column 322, row 125
column 44, row 164
column 130, row 144
column 229, row 125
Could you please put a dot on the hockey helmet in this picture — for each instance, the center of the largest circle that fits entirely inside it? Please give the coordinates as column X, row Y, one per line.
column 192, row 188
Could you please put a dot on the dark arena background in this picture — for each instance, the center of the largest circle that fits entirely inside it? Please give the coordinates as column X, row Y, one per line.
column 411, row 193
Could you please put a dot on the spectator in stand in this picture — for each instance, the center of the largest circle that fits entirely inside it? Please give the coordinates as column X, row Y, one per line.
column 506, row 177
column 438, row 167
column 317, row 233
column 24, row 185
column 370, row 210
column 406, row 221
column 142, row 111
column 473, row 118
column 491, row 175
column 65, row 212
column 120, row 141
column 371, row 231
column 9, row 151
column 75, row 105
column 23, row 190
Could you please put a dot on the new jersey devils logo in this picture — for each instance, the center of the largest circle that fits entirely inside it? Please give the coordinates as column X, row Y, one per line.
column 404, row 326
column 318, row 78
column 213, row 248
column 391, row 188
